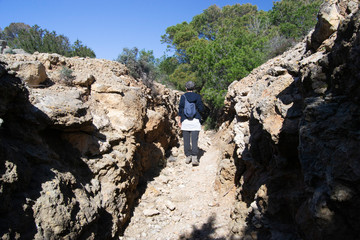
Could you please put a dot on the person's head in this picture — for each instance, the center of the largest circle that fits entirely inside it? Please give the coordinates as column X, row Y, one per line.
column 190, row 85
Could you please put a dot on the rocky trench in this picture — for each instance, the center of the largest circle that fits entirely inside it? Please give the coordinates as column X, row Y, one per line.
column 73, row 153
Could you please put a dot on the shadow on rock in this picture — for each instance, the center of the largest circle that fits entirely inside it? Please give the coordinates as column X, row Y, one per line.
column 40, row 171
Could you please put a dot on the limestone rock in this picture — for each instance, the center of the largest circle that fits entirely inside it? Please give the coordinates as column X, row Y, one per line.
column 84, row 81
column 331, row 14
column 63, row 107
column 170, row 205
column 19, row 51
column 31, row 72
column 329, row 19
column 293, row 135
column 75, row 154
column 151, row 212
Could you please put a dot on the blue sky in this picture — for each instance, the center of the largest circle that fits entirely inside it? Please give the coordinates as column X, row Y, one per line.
column 108, row 26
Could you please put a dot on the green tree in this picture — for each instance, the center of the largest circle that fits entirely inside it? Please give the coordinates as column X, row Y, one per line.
column 218, row 63
column 181, row 75
column 128, row 57
column 295, row 18
column 217, row 47
column 78, row 49
column 179, row 38
column 225, row 44
column 50, row 42
column 141, row 64
column 164, row 67
column 29, row 39
column 32, row 39
column 11, row 32
column 207, row 24
column 167, row 65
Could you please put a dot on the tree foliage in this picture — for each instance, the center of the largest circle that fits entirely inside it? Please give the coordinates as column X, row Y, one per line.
column 35, row 39
column 293, row 17
column 217, row 47
column 11, row 32
column 141, row 64
column 78, row 49
column 222, row 45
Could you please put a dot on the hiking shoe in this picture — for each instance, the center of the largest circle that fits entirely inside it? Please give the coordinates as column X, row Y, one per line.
column 195, row 161
column 188, row 160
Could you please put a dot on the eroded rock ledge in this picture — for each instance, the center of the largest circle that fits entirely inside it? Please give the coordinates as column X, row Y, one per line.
column 76, row 135
column 293, row 125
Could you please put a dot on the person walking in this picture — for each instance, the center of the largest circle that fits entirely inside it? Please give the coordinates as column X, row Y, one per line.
column 190, row 125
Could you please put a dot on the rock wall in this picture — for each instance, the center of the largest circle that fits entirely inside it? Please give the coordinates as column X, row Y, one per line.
column 292, row 136
column 76, row 137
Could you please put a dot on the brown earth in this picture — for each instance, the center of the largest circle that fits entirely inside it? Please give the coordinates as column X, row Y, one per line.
column 182, row 203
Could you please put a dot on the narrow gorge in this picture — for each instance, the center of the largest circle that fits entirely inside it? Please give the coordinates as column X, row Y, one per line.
column 84, row 147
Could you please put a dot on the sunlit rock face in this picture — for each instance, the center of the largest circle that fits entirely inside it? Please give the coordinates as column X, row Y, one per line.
column 76, row 136
column 293, row 125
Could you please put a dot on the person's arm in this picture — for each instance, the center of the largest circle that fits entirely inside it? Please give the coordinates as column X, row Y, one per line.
column 199, row 104
column 181, row 105
column 181, row 110
column 178, row 119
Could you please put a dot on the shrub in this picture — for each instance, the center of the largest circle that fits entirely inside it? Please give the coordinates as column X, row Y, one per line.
column 8, row 51
column 210, row 123
column 66, row 75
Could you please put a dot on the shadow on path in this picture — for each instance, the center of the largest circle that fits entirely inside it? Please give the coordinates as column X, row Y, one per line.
column 205, row 232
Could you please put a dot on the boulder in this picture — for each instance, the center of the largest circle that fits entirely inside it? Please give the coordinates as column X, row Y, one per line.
column 329, row 18
column 63, row 107
column 330, row 15
column 31, row 72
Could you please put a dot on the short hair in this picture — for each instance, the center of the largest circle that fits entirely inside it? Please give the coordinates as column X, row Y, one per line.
column 190, row 85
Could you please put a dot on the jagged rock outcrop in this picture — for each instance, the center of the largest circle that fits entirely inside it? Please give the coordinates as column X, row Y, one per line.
column 293, row 135
column 76, row 136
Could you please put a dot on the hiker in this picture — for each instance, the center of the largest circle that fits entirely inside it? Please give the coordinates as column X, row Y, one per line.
column 189, row 122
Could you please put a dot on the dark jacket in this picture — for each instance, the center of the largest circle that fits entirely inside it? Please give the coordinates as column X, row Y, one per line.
column 191, row 97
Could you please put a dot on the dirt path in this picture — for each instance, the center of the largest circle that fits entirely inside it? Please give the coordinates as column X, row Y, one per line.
column 181, row 202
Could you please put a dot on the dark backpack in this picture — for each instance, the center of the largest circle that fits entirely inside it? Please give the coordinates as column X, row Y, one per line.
column 189, row 109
